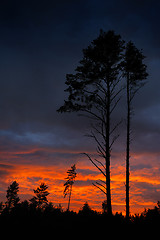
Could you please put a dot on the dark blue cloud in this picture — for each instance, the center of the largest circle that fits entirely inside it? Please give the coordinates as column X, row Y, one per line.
column 140, row 166
column 41, row 41
column 149, row 192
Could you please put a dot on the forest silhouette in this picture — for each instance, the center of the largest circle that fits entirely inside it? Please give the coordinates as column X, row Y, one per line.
column 39, row 216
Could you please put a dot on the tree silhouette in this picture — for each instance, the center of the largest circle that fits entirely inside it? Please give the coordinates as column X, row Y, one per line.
column 69, row 183
column 135, row 74
column 36, row 221
column 41, row 195
column 104, row 206
column 86, row 207
column 12, row 195
column 1, row 207
column 94, row 90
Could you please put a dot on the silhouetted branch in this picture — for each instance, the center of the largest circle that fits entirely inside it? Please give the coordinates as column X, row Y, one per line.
column 115, row 104
column 101, row 131
column 115, row 127
column 95, row 164
column 99, row 188
column 114, row 139
column 100, row 152
column 92, row 135
column 100, row 163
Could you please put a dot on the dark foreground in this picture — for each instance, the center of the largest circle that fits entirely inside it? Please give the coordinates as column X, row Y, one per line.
column 22, row 221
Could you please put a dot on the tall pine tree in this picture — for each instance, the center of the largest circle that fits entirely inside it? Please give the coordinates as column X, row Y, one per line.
column 94, row 90
column 135, row 73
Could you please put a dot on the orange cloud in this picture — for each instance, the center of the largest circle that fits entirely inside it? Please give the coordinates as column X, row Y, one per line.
column 29, row 173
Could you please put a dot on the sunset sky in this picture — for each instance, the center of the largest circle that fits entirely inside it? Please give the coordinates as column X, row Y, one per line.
column 42, row 41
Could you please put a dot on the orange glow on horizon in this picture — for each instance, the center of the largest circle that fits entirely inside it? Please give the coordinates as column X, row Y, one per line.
column 29, row 175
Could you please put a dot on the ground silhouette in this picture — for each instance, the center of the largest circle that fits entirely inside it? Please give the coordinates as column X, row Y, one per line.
column 49, row 219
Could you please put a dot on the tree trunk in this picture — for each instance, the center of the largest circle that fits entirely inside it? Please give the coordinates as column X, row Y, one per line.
column 108, row 185
column 69, row 199
column 127, row 150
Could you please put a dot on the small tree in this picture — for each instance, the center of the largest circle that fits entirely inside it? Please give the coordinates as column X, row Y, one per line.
column 87, row 211
column 69, row 183
column 41, row 195
column 1, row 207
column 104, row 206
column 86, row 208
column 12, row 195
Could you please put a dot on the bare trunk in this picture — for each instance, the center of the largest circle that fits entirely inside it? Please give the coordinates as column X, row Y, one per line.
column 108, row 184
column 108, row 187
column 127, row 150
column 69, row 199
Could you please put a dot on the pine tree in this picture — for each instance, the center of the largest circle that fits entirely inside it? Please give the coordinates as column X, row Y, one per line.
column 94, row 90
column 69, row 183
column 12, row 195
column 135, row 74
column 41, row 195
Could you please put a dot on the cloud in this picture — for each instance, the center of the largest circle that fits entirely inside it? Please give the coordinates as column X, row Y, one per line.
column 5, row 166
column 148, row 192
column 81, row 183
column 5, row 171
column 34, row 180
column 140, row 166
column 86, row 172
column 34, row 71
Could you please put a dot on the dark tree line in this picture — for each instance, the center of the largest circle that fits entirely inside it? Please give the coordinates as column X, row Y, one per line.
column 38, row 201
column 39, row 217
column 108, row 67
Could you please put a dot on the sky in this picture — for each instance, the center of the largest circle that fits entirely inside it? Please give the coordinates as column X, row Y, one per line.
column 42, row 41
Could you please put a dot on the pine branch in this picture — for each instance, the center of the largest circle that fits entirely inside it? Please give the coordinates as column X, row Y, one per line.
column 92, row 135
column 100, row 163
column 98, row 131
column 113, row 140
column 100, row 152
column 99, row 188
column 115, row 104
column 116, row 126
column 92, row 161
